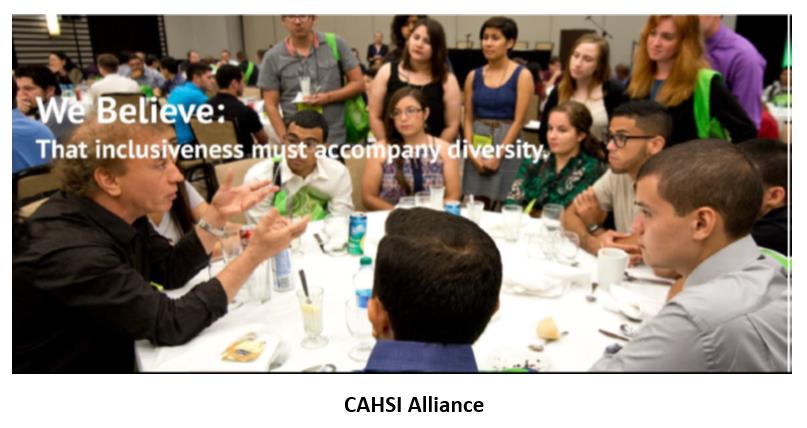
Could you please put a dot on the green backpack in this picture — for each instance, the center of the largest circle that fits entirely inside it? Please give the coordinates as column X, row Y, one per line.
column 357, row 120
column 708, row 126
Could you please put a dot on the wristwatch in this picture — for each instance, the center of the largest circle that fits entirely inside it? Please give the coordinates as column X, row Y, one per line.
column 593, row 228
column 218, row 232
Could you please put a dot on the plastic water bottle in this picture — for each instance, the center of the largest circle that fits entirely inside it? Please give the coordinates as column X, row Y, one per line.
column 281, row 265
column 363, row 281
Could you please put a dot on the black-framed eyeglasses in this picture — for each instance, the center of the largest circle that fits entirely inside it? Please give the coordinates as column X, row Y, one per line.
column 407, row 112
column 310, row 143
column 621, row 139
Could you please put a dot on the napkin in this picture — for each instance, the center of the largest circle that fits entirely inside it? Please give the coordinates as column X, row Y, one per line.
column 550, row 280
column 621, row 300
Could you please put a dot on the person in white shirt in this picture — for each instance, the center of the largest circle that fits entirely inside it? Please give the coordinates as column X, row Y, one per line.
column 112, row 82
column 186, row 210
column 309, row 184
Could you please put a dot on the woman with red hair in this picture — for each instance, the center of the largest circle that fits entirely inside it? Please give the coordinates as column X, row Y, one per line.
column 670, row 67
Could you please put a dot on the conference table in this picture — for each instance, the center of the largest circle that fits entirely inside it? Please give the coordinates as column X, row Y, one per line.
column 509, row 341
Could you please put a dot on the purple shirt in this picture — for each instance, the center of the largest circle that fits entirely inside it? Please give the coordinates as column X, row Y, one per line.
column 742, row 67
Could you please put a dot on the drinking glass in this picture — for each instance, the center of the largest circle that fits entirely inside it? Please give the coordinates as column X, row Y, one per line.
column 423, row 199
column 550, row 215
column 512, row 222
column 475, row 209
column 567, row 245
column 542, row 244
column 311, row 309
column 360, row 328
column 437, row 194
column 231, row 246
column 406, row 202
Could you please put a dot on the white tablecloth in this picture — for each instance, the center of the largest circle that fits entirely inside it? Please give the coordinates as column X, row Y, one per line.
column 504, row 341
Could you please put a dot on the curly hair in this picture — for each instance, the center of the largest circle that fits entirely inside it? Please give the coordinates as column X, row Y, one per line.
column 77, row 174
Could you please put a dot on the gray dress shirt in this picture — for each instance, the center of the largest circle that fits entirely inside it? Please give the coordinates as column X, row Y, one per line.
column 732, row 315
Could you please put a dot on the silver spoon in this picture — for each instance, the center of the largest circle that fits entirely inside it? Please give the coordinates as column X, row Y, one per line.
column 628, row 330
column 321, row 368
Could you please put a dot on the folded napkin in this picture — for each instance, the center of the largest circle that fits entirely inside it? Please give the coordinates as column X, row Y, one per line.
column 548, row 280
column 621, row 300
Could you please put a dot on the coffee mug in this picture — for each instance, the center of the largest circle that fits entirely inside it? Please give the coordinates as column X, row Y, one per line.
column 611, row 265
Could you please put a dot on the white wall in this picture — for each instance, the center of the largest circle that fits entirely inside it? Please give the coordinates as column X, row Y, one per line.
column 209, row 34
column 260, row 31
column 206, row 34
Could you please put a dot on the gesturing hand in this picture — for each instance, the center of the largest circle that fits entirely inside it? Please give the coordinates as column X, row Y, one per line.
column 229, row 200
column 274, row 233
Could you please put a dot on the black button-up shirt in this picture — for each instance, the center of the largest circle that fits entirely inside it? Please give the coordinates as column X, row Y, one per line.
column 82, row 294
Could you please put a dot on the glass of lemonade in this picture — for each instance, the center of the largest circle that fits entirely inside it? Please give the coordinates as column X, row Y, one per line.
column 311, row 309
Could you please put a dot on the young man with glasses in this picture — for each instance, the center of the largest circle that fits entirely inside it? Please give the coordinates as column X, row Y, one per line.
column 309, row 184
column 638, row 130
column 303, row 56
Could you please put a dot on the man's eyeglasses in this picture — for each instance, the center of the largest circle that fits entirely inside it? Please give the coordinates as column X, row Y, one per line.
column 298, row 18
column 621, row 139
column 407, row 112
column 310, row 143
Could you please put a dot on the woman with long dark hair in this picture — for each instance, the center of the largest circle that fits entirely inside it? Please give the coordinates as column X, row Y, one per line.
column 587, row 80
column 384, row 183
column 575, row 162
column 423, row 65
column 62, row 66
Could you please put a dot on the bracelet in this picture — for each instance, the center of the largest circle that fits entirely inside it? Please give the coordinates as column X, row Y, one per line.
column 218, row 232
column 593, row 228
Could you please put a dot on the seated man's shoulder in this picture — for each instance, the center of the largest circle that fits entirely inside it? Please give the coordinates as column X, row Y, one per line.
column 260, row 171
column 333, row 165
column 735, row 295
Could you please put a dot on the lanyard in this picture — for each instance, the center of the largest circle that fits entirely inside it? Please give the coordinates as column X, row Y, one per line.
column 312, row 52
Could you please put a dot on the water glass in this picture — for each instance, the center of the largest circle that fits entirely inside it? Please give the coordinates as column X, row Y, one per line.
column 542, row 244
column 360, row 328
column 550, row 215
column 437, row 194
column 475, row 209
column 512, row 222
column 423, row 199
column 311, row 309
column 406, row 202
column 231, row 246
column 567, row 245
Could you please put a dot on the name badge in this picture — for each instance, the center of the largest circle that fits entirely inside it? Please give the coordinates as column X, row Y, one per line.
column 481, row 140
column 304, row 106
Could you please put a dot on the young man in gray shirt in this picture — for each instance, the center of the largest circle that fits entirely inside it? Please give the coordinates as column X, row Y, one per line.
column 305, row 54
column 697, row 203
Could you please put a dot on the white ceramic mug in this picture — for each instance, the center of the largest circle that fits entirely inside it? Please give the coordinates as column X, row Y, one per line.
column 611, row 265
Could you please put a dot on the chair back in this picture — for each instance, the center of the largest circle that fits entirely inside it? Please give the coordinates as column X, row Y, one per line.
column 32, row 184
column 215, row 134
